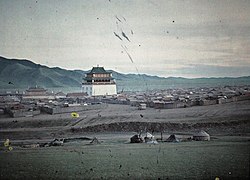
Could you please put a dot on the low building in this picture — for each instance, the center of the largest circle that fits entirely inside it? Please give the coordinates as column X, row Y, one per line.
column 164, row 105
column 23, row 112
column 37, row 93
column 60, row 95
column 142, row 106
column 68, row 109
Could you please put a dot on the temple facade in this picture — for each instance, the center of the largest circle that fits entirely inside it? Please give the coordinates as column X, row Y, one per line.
column 99, row 82
column 37, row 93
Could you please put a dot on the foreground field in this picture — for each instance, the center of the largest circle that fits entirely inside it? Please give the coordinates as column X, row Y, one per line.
column 226, row 156
column 115, row 158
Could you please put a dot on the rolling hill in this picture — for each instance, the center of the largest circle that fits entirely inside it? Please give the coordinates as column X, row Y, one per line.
column 15, row 73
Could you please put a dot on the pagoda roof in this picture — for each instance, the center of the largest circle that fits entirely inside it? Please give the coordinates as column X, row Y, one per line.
column 98, row 70
column 36, row 89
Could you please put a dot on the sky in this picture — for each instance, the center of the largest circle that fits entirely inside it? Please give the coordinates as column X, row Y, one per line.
column 181, row 38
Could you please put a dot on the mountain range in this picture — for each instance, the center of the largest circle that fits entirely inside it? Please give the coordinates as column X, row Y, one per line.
column 16, row 73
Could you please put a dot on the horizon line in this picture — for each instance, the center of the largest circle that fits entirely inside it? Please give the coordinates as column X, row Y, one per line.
column 201, row 77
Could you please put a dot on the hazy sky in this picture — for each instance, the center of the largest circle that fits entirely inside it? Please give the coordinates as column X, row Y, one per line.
column 202, row 38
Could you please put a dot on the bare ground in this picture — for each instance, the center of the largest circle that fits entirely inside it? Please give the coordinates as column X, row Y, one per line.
column 226, row 119
column 226, row 156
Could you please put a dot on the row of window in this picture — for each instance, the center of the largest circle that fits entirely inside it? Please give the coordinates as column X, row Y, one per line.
column 106, row 80
column 98, row 75
column 103, row 80
column 101, row 75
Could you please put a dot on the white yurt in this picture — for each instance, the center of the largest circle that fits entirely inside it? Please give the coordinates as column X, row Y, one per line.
column 150, row 139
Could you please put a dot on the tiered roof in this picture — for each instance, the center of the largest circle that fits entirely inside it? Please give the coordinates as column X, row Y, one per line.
column 98, row 70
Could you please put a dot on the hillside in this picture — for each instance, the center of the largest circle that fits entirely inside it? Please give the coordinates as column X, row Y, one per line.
column 16, row 73
column 24, row 73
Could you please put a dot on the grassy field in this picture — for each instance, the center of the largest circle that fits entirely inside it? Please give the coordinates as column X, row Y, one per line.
column 115, row 158
column 226, row 156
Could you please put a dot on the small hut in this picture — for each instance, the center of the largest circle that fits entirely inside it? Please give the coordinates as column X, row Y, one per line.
column 201, row 136
column 173, row 138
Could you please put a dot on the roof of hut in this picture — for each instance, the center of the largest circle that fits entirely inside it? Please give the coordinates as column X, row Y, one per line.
column 172, row 138
column 95, row 141
column 202, row 134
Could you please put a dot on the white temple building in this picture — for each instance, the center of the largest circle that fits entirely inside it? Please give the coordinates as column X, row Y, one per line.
column 99, row 82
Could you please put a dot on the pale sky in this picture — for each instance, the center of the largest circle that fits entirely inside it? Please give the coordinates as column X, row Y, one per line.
column 198, row 38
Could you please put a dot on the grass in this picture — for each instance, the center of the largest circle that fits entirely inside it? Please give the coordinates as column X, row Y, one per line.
column 116, row 159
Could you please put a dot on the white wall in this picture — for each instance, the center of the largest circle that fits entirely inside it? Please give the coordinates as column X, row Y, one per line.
column 88, row 89
column 99, row 90
column 108, row 89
